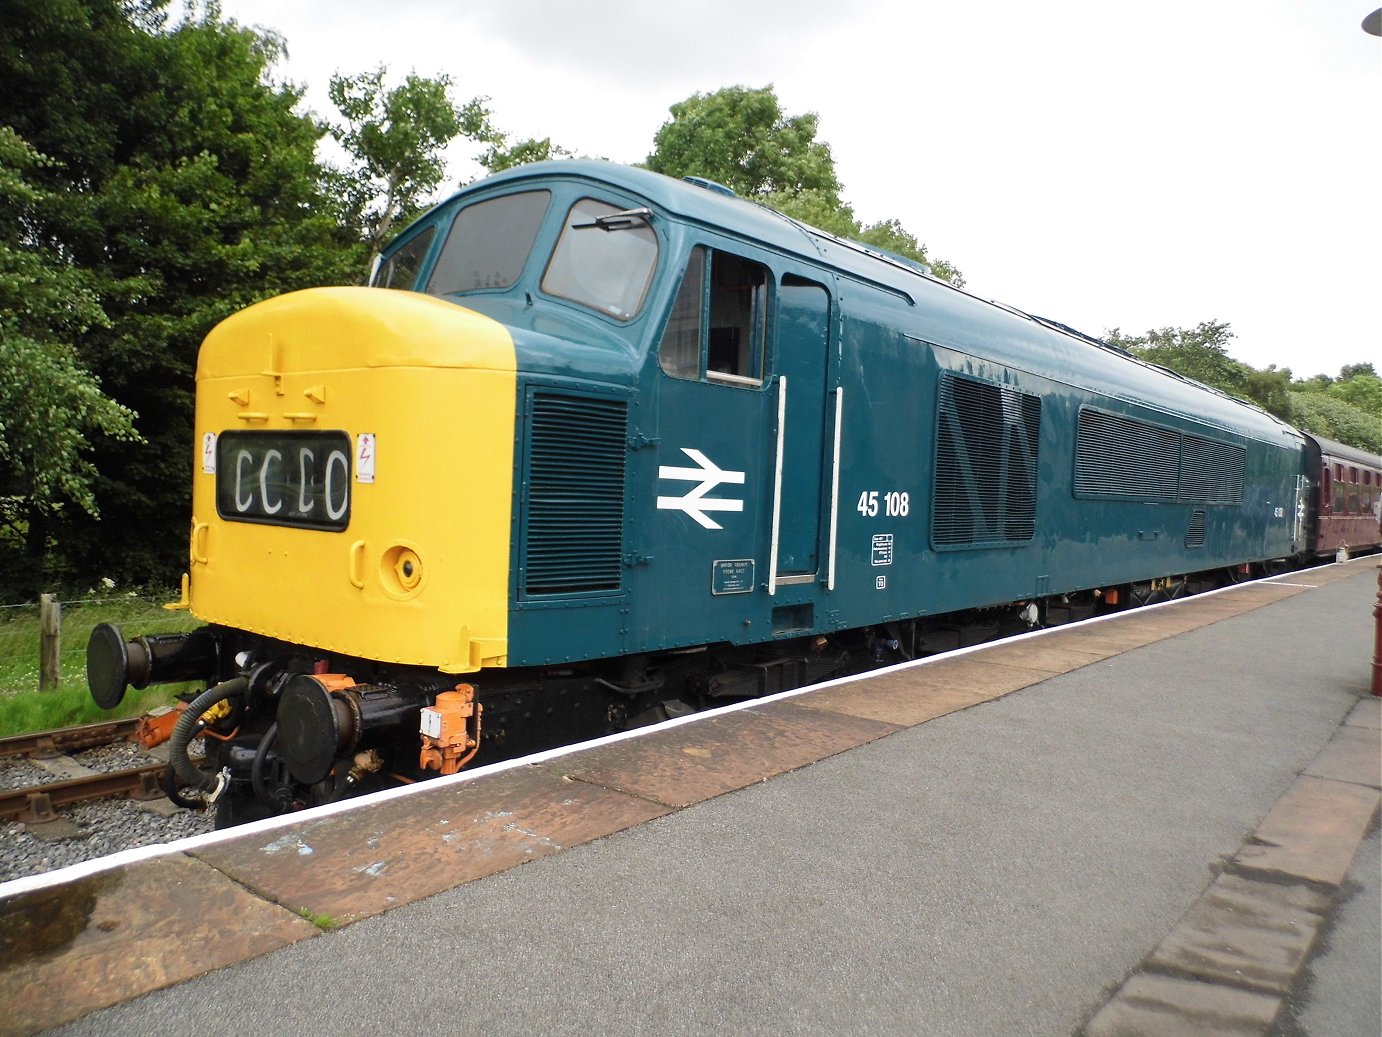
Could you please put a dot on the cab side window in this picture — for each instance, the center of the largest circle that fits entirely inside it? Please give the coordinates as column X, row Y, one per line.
column 400, row 270
column 718, row 323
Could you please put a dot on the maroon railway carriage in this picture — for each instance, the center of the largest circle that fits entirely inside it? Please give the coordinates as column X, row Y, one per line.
column 1345, row 497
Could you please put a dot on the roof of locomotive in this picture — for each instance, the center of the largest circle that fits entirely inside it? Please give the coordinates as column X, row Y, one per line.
column 958, row 318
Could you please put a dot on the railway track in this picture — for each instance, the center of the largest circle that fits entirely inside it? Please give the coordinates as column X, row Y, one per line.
column 38, row 802
column 67, row 739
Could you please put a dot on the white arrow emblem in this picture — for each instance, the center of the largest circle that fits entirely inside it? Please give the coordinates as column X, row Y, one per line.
column 695, row 503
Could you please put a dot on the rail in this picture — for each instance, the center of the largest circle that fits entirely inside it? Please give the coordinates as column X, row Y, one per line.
column 36, row 804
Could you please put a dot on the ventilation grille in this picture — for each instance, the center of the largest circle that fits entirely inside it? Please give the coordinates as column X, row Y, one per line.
column 1212, row 472
column 574, row 511
column 986, row 464
column 1194, row 536
column 1121, row 457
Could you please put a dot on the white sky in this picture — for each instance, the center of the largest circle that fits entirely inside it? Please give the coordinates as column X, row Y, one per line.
column 1100, row 162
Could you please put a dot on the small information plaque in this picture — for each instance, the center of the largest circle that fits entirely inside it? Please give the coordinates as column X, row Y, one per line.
column 731, row 576
column 883, row 549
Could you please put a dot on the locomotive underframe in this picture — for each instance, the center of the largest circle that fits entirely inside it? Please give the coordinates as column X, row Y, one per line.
column 299, row 727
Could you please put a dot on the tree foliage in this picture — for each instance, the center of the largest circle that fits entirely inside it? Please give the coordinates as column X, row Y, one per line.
column 182, row 187
column 1347, row 409
column 502, row 155
column 1328, row 416
column 396, row 138
column 740, row 137
column 51, row 407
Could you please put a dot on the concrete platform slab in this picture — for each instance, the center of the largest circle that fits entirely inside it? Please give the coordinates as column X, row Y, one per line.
column 1353, row 754
column 1245, row 932
column 1045, row 654
column 974, row 671
column 695, row 762
column 893, row 700
column 353, row 865
column 1163, row 1006
column 1313, row 831
column 1368, row 713
column 1324, row 575
column 96, row 942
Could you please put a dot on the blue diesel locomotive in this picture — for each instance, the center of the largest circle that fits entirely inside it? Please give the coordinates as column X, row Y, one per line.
column 598, row 446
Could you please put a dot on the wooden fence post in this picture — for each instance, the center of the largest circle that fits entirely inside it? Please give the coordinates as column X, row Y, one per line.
column 50, row 641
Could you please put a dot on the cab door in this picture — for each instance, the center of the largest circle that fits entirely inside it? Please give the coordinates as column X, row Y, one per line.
column 713, row 455
column 801, row 361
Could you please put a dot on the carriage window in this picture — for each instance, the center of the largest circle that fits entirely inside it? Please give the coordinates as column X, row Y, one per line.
column 718, row 323
column 400, row 270
column 489, row 243
column 603, row 264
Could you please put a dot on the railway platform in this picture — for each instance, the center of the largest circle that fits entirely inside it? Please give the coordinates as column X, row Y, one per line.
column 1161, row 822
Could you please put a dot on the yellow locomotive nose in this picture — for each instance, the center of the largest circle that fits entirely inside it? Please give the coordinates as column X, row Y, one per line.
column 341, row 432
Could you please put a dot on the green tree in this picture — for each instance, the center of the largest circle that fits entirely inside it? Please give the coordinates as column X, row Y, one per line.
column 1325, row 415
column 396, row 137
column 1360, row 389
column 502, row 155
column 51, row 408
column 740, row 137
column 1348, row 410
column 183, row 187
column 1200, row 353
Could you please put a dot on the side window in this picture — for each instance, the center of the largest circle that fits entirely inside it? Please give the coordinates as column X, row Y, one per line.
column 488, row 243
column 680, row 355
column 400, row 270
column 719, row 320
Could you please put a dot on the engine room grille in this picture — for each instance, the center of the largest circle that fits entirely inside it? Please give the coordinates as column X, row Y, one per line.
column 1118, row 456
column 573, row 508
column 986, row 464
column 1122, row 457
column 1212, row 472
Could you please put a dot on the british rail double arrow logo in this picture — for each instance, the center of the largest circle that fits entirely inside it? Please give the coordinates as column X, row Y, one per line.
column 695, row 503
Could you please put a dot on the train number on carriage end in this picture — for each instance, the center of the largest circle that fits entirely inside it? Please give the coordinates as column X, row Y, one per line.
column 284, row 478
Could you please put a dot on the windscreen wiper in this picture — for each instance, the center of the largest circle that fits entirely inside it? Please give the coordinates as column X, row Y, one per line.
column 618, row 220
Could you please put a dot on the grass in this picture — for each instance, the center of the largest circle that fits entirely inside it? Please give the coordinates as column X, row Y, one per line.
column 323, row 922
column 24, row 708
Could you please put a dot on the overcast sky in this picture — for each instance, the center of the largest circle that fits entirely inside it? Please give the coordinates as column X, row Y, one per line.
column 1101, row 162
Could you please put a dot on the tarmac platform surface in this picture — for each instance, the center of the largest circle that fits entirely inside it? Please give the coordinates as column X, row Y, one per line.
column 1162, row 822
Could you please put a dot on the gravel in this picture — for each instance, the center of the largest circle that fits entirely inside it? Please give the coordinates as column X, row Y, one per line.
column 103, row 826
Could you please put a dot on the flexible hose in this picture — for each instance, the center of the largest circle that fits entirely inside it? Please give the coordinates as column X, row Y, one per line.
column 261, row 790
column 169, row 782
column 186, row 728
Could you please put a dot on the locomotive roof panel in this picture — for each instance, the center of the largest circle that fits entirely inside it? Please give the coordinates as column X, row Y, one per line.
column 922, row 308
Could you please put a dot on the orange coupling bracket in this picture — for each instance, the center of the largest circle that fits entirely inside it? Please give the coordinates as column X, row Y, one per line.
column 450, row 731
column 156, row 726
